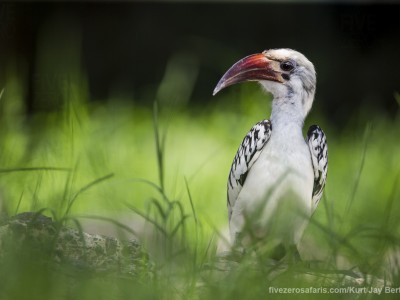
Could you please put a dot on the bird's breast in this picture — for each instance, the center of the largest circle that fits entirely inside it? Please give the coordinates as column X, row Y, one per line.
column 284, row 167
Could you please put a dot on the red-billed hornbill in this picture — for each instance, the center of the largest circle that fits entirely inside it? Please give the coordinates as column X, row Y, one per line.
column 277, row 177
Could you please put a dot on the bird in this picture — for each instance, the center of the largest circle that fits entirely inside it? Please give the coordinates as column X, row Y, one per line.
column 277, row 176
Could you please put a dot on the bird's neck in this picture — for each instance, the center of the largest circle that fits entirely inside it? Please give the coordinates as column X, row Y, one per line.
column 287, row 112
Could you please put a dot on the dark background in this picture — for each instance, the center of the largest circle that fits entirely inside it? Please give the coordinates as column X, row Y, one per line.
column 126, row 47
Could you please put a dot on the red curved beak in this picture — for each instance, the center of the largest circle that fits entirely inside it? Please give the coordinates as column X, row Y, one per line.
column 251, row 68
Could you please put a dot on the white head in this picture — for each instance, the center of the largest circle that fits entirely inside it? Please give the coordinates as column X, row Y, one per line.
column 287, row 74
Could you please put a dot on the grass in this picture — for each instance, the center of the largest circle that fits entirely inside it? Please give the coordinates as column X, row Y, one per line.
column 167, row 167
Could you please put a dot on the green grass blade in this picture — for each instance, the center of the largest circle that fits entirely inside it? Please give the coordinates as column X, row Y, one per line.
column 30, row 169
column 159, row 146
column 148, row 219
column 110, row 220
column 191, row 201
column 19, row 203
column 366, row 138
column 85, row 188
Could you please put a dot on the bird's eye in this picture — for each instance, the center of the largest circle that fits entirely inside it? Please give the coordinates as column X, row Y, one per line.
column 287, row 66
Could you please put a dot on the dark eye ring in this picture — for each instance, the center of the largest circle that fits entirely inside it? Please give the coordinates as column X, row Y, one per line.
column 287, row 66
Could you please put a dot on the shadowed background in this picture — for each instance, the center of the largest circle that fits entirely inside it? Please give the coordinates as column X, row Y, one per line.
column 130, row 48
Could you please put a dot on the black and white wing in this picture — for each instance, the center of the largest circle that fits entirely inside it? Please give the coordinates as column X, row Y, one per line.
column 247, row 154
column 319, row 155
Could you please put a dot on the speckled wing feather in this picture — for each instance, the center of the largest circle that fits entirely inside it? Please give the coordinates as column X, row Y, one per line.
column 319, row 155
column 247, row 154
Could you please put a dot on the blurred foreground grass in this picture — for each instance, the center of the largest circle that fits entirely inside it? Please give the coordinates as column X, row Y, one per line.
column 100, row 159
